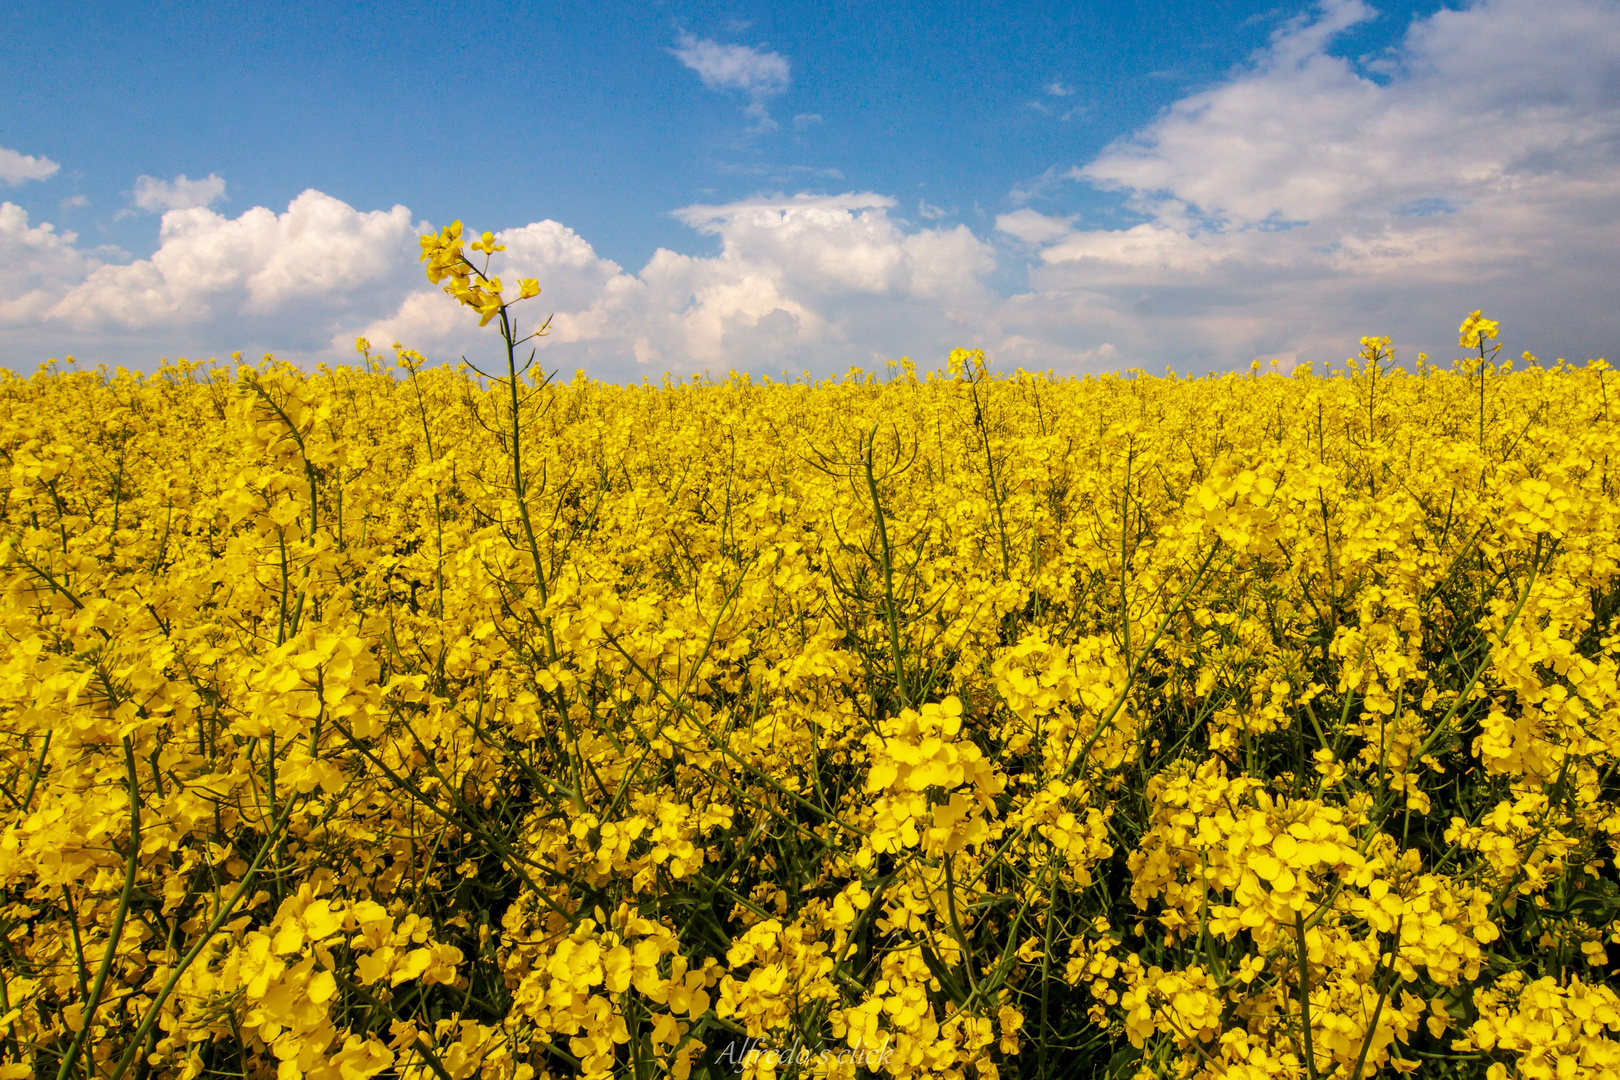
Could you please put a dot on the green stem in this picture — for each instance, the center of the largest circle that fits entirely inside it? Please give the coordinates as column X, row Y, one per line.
column 889, row 608
column 39, row 770
column 1383, row 995
column 154, row 1010
column 1305, row 995
column 131, row 862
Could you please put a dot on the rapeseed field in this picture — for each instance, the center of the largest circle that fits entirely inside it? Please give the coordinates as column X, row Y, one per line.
column 401, row 720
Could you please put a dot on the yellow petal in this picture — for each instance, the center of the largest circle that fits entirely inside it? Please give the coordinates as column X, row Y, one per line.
column 322, row 987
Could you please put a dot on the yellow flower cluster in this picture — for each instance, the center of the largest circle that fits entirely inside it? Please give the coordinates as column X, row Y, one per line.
column 388, row 721
column 446, row 258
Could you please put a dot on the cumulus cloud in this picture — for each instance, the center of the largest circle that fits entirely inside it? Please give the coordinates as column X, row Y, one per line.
column 320, row 252
column 37, row 263
column 815, row 281
column 1284, row 211
column 760, row 74
column 580, row 291
column 262, row 279
column 180, row 193
column 1303, row 201
column 801, row 282
column 16, row 168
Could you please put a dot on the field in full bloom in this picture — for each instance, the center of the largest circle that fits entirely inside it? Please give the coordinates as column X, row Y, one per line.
column 391, row 721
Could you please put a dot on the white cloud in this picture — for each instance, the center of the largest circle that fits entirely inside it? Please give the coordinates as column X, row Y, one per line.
column 579, row 288
column 733, row 67
column 16, row 168
column 1033, row 227
column 1057, row 89
column 1038, row 187
column 317, row 254
column 805, row 121
column 800, row 282
column 762, row 75
column 36, row 263
column 815, row 282
column 178, row 194
column 1302, row 202
column 260, row 280
column 1283, row 212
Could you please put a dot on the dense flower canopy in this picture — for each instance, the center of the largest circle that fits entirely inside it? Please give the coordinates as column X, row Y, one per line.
column 387, row 720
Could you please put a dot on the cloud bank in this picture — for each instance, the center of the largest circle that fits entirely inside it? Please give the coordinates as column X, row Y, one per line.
column 800, row 283
column 260, row 280
column 1305, row 200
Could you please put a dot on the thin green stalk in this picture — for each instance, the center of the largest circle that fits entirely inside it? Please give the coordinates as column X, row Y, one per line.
column 1046, row 968
column 80, row 969
column 1305, row 995
column 1136, row 666
column 890, row 609
column 995, row 486
column 155, row 1009
column 1124, row 556
column 956, row 928
column 39, row 770
column 438, row 510
column 5, row 1009
column 1383, row 995
column 88, row 1016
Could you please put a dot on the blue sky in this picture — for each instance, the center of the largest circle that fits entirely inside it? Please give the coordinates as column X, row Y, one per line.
column 714, row 186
